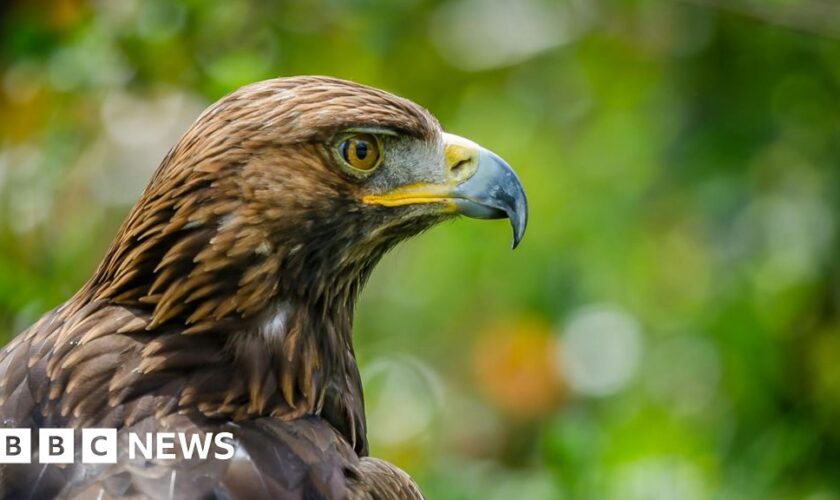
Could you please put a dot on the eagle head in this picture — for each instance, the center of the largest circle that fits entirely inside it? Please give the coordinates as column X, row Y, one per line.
column 293, row 188
column 255, row 236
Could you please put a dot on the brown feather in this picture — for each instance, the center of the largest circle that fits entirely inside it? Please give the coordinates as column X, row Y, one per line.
column 245, row 214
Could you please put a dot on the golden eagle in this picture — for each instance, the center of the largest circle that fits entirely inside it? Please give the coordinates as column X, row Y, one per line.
column 225, row 303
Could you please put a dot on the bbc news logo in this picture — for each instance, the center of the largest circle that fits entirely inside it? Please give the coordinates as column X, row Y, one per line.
column 100, row 446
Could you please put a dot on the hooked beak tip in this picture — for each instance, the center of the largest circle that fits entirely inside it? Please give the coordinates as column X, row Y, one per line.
column 494, row 192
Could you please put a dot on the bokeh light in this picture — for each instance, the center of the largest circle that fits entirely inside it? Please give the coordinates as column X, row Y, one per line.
column 600, row 350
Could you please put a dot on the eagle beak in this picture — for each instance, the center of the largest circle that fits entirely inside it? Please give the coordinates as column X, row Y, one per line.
column 492, row 192
column 479, row 184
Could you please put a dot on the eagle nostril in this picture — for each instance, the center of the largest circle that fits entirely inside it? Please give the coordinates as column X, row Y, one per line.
column 460, row 157
column 462, row 169
column 458, row 167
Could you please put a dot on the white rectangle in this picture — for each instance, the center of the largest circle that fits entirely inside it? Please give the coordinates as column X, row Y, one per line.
column 99, row 446
column 55, row 446
column 15, row 446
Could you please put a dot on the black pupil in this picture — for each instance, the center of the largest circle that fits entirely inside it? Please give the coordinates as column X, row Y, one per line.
column 361, row 150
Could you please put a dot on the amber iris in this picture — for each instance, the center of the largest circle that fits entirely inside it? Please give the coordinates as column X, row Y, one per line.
column 360, row 151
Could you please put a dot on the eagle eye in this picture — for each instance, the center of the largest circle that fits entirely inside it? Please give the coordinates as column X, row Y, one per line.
column 361, row 152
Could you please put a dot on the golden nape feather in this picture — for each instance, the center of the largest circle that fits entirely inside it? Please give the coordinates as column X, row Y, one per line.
column 225, row 303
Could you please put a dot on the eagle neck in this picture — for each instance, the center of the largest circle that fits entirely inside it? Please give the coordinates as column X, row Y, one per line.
column 305, row 343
